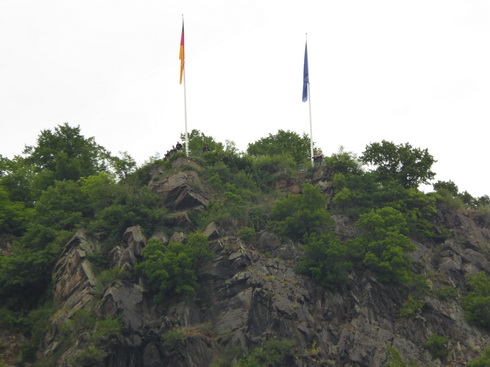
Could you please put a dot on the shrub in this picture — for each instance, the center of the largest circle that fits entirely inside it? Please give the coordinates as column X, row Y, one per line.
column 411, row 307
column 90, row 356
column 446, row 293
column 106, row 329
column 325, row 260
column 173, row 268
column 437, row 346
column 272, row 353
column 383, row 246
column 247, row 235
column 482, row 361
column 300, row 215
column 476, row 303
column 173, row 338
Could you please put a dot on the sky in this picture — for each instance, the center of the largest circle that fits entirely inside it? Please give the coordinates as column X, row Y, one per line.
column 414, row 72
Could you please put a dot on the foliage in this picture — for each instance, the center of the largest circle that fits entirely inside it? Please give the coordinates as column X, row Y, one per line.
column 106, row 328
column 343, row 162
column 272, row 353
column 173, row 338
column 476, row 303
column 83, row 320
column 394, row 359
column 284, row 142
column 301, row 214
column 411, row 307
column 446, row 293
column 173, row 268
column 90, row 356
column 437, row 346
column 198, row 141
column 383, row 245
column 407, row 165
column 65, row 154
column 325, row 260
column 247, row 235
column 483, row 360
column 451, row 198
column 13, row 214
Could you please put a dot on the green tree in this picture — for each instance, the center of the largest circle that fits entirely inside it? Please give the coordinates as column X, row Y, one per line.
column 383, row 245
column 343, row 162
column 13, row 215
column 325, row 260
column 65, row 154
column 403, row 163
column 282, row 143
column 198, row 141
column 476, row 303
column 437, row 346
column 173, row 268
column 301, row 214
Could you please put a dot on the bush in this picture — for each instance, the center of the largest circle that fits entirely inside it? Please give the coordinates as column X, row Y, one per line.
column 301, row 215
column 446, row 293
column 173, row 268
column 437, row 346
column 272, row 353
column 411, row 307
column 173, row 338
column 476, row 303
column 482, row 361
column 325, row 260
column 383, row 246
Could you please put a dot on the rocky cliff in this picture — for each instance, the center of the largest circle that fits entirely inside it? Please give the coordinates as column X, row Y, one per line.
column 250, row 293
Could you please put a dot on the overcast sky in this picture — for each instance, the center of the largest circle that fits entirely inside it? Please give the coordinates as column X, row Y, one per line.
column 413, row 71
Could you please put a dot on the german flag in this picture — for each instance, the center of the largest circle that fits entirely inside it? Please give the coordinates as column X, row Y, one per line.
column 182, row 55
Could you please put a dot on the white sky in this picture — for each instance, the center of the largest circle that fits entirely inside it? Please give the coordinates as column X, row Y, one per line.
column 413, row 71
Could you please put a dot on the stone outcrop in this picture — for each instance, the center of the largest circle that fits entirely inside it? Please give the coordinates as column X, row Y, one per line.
column 250, row 293
column 181, row 190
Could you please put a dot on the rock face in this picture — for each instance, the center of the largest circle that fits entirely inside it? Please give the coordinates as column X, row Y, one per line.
column 251, row 293
column 183, row 189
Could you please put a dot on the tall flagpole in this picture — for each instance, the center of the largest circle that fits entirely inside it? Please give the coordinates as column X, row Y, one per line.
column 307, row 96
column 311, row 127
column 182, row 76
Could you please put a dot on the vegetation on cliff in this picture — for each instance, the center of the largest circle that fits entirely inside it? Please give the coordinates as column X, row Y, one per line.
column 67, row 182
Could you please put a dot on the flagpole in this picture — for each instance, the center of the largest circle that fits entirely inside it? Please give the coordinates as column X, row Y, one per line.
column 182, row 77
column 185, row 118
column 307, row 96
column 311, row 127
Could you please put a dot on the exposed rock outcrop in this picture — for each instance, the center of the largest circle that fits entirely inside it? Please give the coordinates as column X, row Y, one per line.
column 249, row 294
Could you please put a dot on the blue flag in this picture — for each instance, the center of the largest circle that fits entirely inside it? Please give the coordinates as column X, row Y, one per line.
column 306, row 79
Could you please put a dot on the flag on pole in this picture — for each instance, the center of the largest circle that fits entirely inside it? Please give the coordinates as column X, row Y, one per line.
column 306, row 79
column 182, row 55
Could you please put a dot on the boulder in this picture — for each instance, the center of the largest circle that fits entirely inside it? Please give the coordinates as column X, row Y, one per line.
column 181, row 190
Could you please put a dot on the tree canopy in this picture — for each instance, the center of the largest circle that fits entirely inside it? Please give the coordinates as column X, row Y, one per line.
column 283, row 143
column 403, row 163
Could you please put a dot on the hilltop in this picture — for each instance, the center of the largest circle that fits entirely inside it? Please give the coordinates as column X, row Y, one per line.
column 224, row 258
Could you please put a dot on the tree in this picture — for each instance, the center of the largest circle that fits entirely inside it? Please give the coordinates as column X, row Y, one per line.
column 476, row 303
column 283, row 143
column 383, row 245
column 199, row 143
column 325, row 260
column 301, row 214
column 65, row 154
column 407, row 165
column 173, row 268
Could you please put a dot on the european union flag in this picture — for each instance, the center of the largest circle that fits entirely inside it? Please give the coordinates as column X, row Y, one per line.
column 306, row 79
